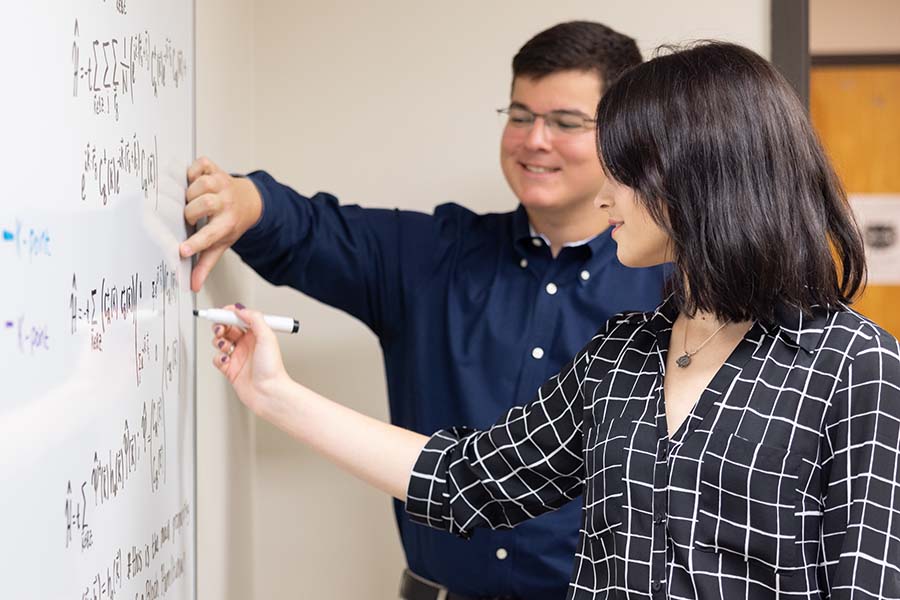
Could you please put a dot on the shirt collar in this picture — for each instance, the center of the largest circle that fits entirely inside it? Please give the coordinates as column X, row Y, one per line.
column 790, row 324
column 534, row 233
column 797, row 329
column 523, row 233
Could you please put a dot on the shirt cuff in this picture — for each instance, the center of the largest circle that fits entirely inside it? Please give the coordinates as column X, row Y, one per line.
column 428, row 500
column 259, row 229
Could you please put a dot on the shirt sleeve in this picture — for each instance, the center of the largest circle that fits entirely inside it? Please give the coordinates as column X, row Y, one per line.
column 528, row 463
column 861, row 466
column 348, row 257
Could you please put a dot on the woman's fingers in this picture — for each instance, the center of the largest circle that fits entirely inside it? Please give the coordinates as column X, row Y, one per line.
column 228, row 332
column 225, row 340
column 220, row 361
column 255, row 320
column 224, row 345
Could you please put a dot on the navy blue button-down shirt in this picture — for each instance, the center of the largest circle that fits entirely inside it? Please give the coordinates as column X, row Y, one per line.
column 473, row 315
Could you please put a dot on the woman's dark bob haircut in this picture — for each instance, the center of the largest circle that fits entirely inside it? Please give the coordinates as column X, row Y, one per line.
column 719, row 149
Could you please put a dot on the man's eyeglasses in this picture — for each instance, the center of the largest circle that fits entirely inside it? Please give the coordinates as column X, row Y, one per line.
column 518, row 117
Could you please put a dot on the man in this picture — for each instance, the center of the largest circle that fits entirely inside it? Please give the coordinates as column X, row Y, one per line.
column 473, row 312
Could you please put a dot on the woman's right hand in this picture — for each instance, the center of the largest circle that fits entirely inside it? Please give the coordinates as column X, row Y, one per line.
column 251, row 360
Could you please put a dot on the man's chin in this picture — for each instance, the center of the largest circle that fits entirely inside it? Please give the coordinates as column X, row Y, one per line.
column 541, row 204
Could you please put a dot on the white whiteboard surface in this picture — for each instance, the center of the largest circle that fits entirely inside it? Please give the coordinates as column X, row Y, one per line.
column 97, row 419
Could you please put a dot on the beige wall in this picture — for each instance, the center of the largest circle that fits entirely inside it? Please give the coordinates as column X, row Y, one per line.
column 224, row 429
column 859, row 27
column 391, row 104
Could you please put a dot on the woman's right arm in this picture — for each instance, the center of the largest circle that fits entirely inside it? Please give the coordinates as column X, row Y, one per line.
column 528, row 463
column 378, row 453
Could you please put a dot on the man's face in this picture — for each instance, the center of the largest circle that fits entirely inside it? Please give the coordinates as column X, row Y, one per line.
column 550, row 170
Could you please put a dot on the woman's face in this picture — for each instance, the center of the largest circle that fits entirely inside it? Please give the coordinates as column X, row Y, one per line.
column 640, row 241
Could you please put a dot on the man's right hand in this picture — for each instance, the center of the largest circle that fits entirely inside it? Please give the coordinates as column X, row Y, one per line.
column 232, row 205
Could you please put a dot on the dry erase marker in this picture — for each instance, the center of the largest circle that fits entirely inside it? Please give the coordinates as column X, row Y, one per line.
column 226, row 317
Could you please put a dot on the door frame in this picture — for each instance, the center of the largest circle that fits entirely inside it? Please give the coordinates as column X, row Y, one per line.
column 790, row 43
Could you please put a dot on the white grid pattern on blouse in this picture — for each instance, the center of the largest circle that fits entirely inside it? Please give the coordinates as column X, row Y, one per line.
column 783, row 482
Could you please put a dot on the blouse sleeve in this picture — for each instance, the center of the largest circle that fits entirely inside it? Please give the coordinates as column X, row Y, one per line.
column 861, row 465
column 528, row 463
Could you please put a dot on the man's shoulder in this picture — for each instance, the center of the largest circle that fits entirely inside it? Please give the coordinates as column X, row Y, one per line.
column 454, row 211
column 457, row 224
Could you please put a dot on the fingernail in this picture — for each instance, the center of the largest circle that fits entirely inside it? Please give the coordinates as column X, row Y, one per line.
column 186, row 250
column 225, row 358
column 221, row 343
column 218, row 329
column 239, row 306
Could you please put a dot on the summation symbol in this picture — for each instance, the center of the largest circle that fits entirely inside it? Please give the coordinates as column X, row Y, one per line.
column 114, row 66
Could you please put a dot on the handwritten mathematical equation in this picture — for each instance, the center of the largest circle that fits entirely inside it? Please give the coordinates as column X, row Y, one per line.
column 147, row 352
column 100, row 306
column 164, row 288
column 110, row 69
column 138, row 558
column 111, row 473
column 107, row 586
column 103, row 169
column 29, row 242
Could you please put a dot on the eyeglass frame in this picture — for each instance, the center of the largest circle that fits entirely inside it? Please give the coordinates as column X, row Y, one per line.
column 552, row 123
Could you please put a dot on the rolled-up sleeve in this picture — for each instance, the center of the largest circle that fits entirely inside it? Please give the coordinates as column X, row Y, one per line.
column 528, row 463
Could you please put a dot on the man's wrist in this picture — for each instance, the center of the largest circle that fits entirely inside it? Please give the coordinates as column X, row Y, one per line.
column 252, row 201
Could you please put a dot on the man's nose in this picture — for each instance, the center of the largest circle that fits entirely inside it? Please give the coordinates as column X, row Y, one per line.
column 538, row 135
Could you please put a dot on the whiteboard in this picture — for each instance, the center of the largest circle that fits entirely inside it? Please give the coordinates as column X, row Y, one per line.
column 97, row 416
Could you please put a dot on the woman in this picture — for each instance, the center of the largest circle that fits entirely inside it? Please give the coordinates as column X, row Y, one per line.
column 743, row 440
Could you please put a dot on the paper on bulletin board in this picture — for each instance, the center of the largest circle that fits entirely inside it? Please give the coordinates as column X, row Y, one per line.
column 878, row 216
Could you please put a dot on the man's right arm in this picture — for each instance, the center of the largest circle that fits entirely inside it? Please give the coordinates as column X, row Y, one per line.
column 354, row 259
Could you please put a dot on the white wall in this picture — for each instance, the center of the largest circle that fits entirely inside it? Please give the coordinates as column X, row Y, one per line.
column 224, row 429
column 859, row 27
column 390, row 104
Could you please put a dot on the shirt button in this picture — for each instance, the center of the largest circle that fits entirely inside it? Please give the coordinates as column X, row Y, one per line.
column 551, row 288
column 660, row 519
column 585, row 275
column 656, row 586
column 523, row 263
column 502, row 553
column 536, row 242
column 538, row 353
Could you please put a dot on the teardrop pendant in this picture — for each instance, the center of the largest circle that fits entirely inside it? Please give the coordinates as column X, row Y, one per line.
column 683, row 361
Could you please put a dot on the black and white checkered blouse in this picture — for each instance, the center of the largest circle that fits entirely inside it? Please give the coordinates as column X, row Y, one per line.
column 783, row 482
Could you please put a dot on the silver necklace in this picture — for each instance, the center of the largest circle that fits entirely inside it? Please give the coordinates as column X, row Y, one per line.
column 685, row 359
